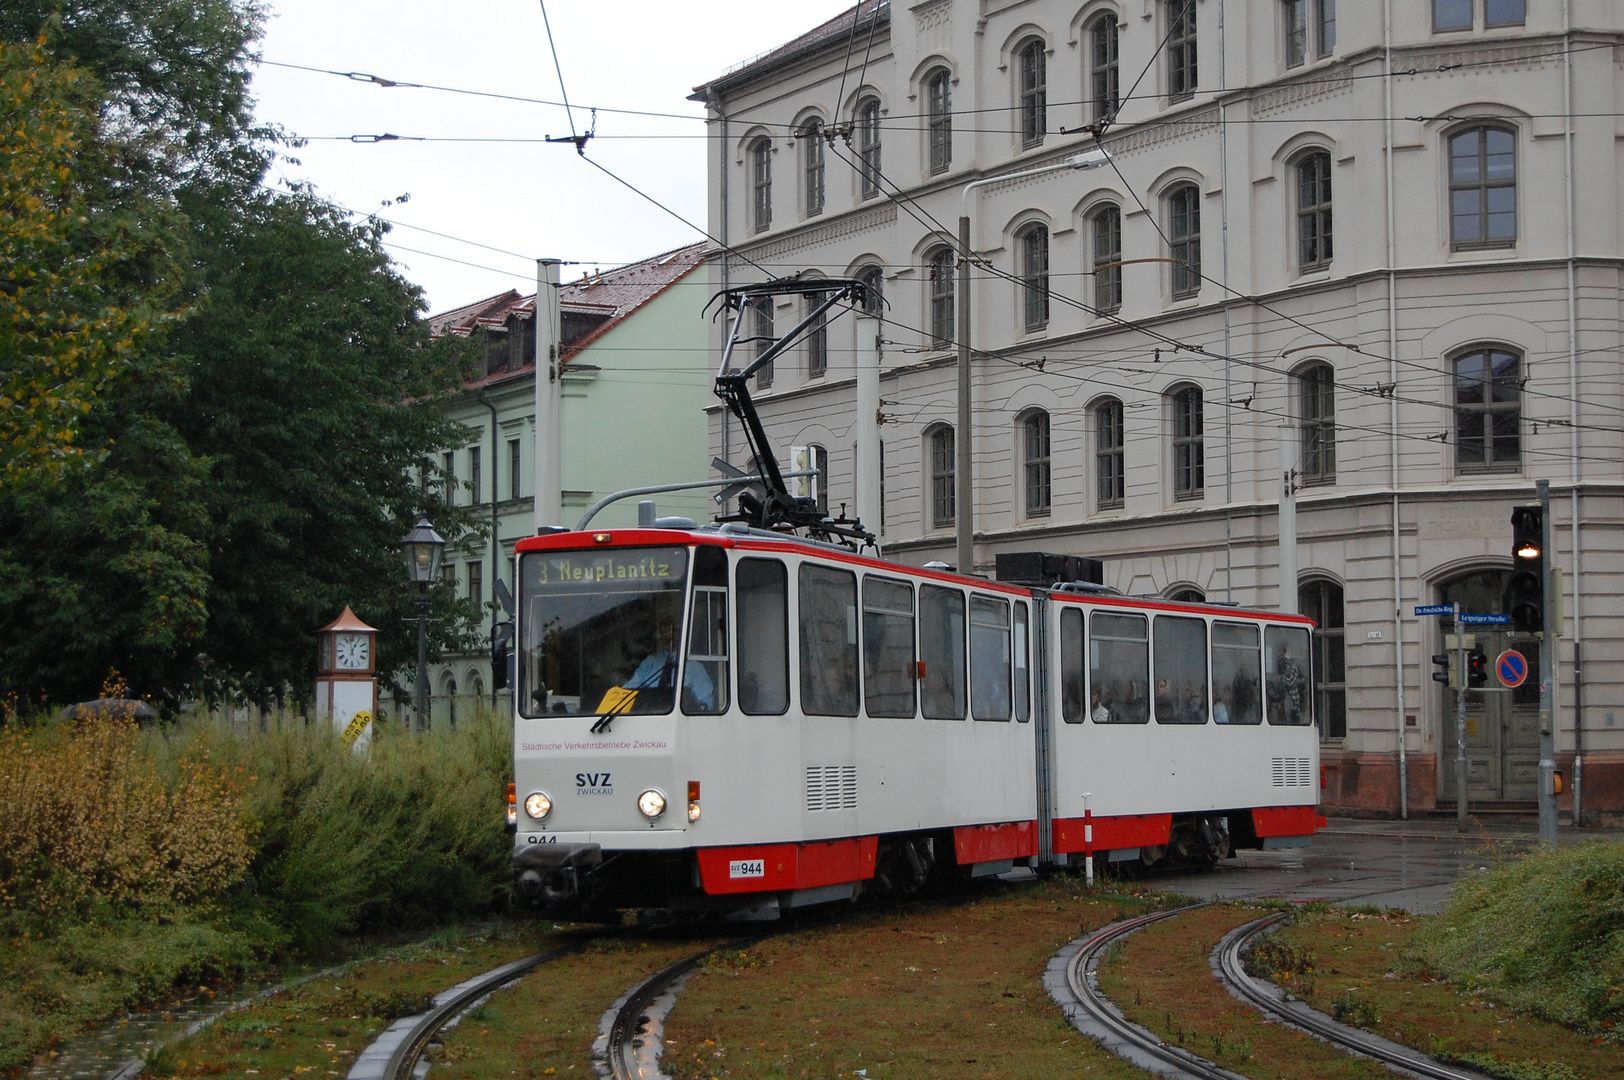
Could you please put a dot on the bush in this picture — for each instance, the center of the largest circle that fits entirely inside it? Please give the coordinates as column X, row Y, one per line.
column 1545, row 934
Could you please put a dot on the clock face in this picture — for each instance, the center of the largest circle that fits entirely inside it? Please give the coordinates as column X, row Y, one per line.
column 352, row 651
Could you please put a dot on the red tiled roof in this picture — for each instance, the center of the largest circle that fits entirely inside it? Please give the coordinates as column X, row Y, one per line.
column 613, row 293
column 839, row 25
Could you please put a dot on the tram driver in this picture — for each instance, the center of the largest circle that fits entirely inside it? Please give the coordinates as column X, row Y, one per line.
column 659, row 668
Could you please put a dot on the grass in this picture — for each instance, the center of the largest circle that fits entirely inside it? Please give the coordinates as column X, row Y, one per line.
column 137, row 860
column 1370, row 969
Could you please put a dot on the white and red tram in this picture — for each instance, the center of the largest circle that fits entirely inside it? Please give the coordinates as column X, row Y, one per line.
column 725, row 718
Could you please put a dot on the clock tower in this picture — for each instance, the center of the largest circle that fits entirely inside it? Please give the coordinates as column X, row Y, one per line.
column 346, row 677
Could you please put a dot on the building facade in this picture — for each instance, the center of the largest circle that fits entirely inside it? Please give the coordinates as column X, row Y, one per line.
column 634, row 386
column 1383, row 236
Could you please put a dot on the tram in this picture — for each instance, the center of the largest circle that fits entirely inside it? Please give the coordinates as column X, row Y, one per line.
column 735, row 718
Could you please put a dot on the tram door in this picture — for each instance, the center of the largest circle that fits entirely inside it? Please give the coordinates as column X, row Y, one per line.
column 1502, row 726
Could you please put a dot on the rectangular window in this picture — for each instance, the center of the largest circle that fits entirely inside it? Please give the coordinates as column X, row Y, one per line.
column 761, row 614
column 1118, row 669
column 939, row 93
column 1294, row 18
column 1314, row 212
column 1325, row 32
column 941, row 653
column 1181, row 670
column 1071, row 665
column 1504, row 12
column 474, row 485
column 1036, row 430
column 1104, row 74
column 1189, row 445
column 448, row 477
column 812, row 141
column 1181, row 56
column 1237, row 674
column 765, row 338
column 1108, row 260
column 941, row 298
column 868, row 146
column 1184, row 210
column 476, row 584
column 1023, row 682
column 989, row 658
column 1318, row 429
column 761, row 175
column 1488, row 411
column 1286, row 675
column 1034, row 93
column 1483, row 188
column 1108, row 455
column 1035, row 277
column 515, row 462
column 889, row 672
column 828, row 625
column 943, row 477
column 1451, row 15
column 817, row 347
column 705, row 676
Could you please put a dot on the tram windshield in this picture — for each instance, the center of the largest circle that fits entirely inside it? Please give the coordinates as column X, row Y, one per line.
column 599, row 631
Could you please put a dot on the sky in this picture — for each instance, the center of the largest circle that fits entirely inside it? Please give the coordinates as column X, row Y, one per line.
column 528, row 199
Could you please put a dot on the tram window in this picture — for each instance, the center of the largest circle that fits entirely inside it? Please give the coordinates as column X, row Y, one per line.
column 761, row 614
column 828, row 641
column 1118, row 669
column 941, row 650
column 889, row 671
column 1181, row 670
column 989, row 658
column 1023, row 683
column 1071, row 665
column 1236, row 674
column 1286, row 675
column 704, row 681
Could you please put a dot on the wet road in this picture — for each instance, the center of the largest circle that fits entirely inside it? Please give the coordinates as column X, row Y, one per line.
column 1390, row 864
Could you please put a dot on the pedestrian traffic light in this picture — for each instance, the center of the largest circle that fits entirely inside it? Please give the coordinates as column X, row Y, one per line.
column 1446, row 668
column 1526, row 598
column 1477, row 669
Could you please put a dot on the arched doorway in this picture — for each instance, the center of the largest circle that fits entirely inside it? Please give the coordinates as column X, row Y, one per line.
column 1502, row 726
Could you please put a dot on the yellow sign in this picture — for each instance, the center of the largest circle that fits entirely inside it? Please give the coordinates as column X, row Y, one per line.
column 358, row 723
column 616, row 700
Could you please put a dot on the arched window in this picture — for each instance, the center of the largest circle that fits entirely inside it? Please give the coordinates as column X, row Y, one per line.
column 873, row 279
column 1184, row 238
column 1313, row 211
column 940, row 265
column 1106, row 227
column 812, row 157
column 1104, row 76
column 813, row 457
column 939, row 109
column 1035, row 462
column 1322, row 602
column 1488, row 411
column 762, row 308
column 1034, row 94
column 1181, row 53
column 943, row 475
column 868, row 145
column 761, row 184
column 1187, row 594
column 1111, row 480
column 1483, row 188
column 1189, row 444
column 1034, row 247
column 1316, row 400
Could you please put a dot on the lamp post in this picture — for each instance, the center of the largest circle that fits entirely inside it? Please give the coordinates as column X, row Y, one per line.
column 423, row 548
column 963, row 439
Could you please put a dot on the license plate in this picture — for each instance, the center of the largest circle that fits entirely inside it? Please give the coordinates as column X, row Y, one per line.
column 747, row 868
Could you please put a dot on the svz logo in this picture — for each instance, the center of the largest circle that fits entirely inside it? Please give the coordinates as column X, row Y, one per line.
column 593, row 783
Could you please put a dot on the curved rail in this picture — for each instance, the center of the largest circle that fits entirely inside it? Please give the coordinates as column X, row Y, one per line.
column 1092, row 1013
column 394, row 1054
column 1276, row 1004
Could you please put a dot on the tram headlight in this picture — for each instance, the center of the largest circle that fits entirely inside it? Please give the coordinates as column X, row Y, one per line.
column 693, row 801
column 651, row 803
column 538, row 804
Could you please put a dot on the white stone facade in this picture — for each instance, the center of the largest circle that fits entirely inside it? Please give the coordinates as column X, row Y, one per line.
column 1510, row 251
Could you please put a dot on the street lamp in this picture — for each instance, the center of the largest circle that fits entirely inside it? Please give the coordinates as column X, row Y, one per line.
column 963, row 439
column 423, row 547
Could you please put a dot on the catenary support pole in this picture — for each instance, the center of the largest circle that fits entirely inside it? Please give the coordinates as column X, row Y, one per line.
column 549, row 440
column 1547, row 672
column 868, row 422
column 1288, row 519
column 1460, row 724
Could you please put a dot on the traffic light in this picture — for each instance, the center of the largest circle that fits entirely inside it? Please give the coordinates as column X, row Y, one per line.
column 1477, row 669
column 1527, row 588
column 1446, row 668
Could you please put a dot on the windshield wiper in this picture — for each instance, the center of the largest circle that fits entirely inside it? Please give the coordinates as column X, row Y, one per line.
column 624, row 701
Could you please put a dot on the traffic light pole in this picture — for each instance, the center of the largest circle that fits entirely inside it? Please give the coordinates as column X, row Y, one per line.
column 1460, row 724
column 1547, row 670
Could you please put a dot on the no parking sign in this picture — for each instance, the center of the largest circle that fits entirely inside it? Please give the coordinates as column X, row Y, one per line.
column 1512, row 668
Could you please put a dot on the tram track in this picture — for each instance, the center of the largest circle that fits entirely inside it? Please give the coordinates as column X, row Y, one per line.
column 1281, row 1007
